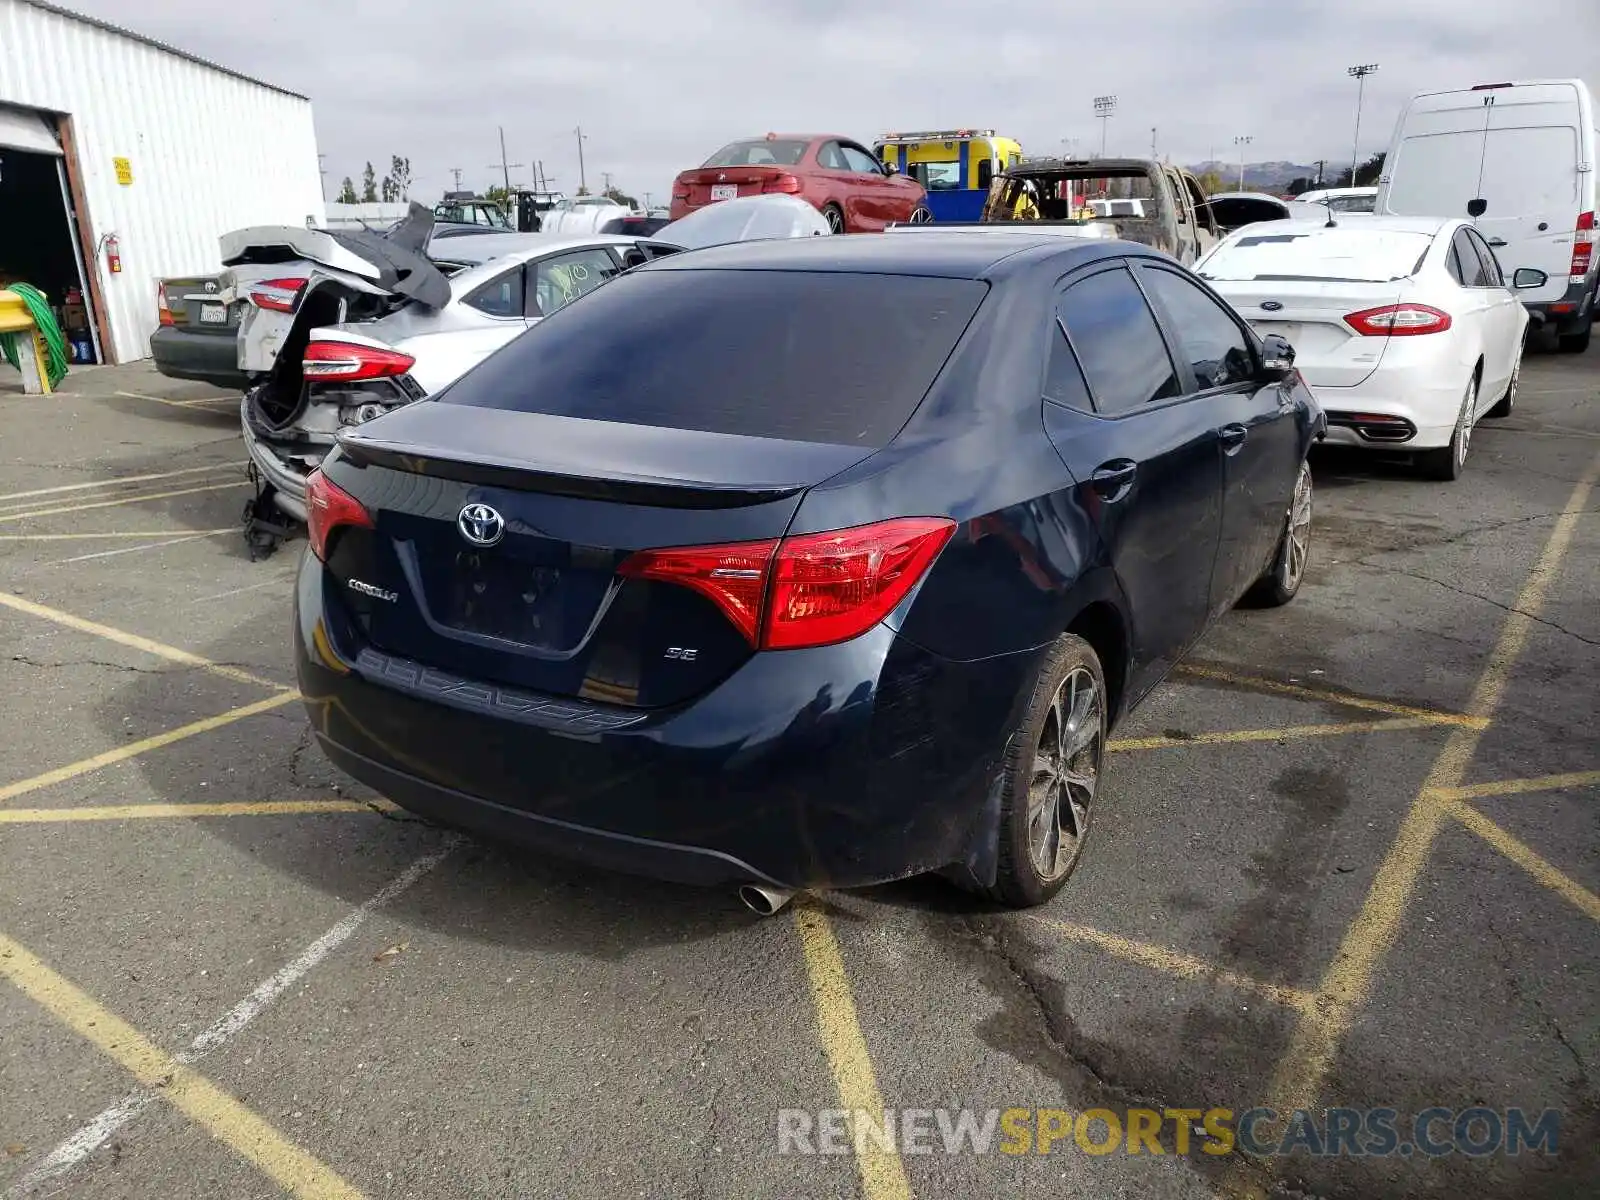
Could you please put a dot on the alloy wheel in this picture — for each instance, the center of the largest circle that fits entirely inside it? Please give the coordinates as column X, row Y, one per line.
column 1297, row 537
column 1066, row 771
column 835, row 219
column 920, row 216
column 1464, row 422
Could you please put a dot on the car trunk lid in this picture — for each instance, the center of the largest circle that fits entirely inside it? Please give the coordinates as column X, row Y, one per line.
column 1311, row 316
column 706, row 185
column 498, row 543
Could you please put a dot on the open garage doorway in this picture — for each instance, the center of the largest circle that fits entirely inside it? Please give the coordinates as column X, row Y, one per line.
column 38, row 238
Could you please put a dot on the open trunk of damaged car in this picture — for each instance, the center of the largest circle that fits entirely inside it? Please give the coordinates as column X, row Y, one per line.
column 296, row 280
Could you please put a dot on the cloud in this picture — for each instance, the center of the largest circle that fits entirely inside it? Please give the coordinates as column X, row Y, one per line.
column 657, row 88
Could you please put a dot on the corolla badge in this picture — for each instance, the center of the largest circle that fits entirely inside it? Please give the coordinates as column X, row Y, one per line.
column 1271, row 305
column 481, row 525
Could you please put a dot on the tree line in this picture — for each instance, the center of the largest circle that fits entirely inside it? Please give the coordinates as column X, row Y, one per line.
column 394, row 186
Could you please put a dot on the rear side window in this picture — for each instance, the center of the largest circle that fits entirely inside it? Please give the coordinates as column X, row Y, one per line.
column 1118, row 342
column 1492, row 275
column 1473, row 272
column 500, row 297
column 798, row 355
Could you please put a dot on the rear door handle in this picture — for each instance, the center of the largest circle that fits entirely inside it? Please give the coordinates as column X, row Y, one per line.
column 1113, row 479
column 1232, row 437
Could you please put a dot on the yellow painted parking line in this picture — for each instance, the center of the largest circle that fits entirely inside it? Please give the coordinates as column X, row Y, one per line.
column 117, row 481
column 119, row 535
column 134, row 642
column 1185, row 966
column 139, row 498
column 1529, row 860
column 1518, row 787
column 1225, row 737
column 883, row 1175
column 1348, row 980
column 143, row 746
column 222, row 1116
column 134, row 812
column 1330, row 696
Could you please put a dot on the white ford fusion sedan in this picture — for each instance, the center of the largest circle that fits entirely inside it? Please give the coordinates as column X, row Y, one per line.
column 1405, row 328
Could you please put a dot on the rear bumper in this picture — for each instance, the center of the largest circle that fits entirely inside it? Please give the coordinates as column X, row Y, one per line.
column 278, row 471
column 840, row 766
column 1570, row 314
column 1424, row 394
column 202, row 357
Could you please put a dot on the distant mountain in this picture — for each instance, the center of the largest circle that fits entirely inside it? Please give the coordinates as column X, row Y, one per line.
column 1271, row 177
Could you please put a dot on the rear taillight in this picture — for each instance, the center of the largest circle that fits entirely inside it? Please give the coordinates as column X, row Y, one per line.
column 1582, row 248
column 328, row 506
column 1398, row 320
column 280, row 295
column 814, row 589
column 163, row 313
column 352, row 362
column 787, row 184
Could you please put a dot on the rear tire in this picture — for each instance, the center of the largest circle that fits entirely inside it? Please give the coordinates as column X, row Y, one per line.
column 1052, row 774
column 920, row 215
column 1282, row 581
column 1575, row 343
column 1446, row 463
column 835, row 218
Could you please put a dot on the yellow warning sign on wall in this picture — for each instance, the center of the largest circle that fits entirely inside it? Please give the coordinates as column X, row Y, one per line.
column 124, row 170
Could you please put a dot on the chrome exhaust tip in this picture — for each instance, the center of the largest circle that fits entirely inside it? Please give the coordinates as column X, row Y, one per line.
column 764, row 901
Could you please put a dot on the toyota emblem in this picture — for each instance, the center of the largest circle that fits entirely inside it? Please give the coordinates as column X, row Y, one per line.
column 481, row 525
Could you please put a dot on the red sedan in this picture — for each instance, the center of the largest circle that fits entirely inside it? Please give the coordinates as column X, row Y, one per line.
column 850, row 187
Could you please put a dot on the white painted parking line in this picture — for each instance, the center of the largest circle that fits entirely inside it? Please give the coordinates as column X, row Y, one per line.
column 117, row 481
column 92, row 1136
column 193, row 537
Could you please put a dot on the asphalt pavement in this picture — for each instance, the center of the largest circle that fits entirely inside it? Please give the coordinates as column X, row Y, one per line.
column 1346, row 858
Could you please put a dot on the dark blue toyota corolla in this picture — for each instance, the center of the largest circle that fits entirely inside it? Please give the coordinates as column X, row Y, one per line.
column 808, row 563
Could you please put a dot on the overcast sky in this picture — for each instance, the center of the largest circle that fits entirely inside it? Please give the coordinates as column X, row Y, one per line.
column 658, row 87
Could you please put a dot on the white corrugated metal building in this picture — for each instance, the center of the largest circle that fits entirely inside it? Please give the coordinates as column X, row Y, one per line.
column 107, row 135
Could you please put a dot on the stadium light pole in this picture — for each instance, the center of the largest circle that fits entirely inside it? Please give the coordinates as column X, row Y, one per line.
column 1242, row 141
column 1104, row 107
column 1359, row 74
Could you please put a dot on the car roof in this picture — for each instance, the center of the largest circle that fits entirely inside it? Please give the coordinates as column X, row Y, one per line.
column 511, row 248
column 1366, row 222
column 951, row 255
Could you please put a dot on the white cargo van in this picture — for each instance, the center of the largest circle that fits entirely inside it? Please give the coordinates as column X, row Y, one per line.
column 1518, row 158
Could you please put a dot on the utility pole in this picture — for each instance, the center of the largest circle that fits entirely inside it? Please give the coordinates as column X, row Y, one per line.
column 1359, row 74
column 647, row 202
column 1104, row 107
column 456, row 171
column 606, row 175
column 1154, row 157
column 583, row 179
column 1242, row 142
column 1321, row 166
column 323, row 172
column 505, row 167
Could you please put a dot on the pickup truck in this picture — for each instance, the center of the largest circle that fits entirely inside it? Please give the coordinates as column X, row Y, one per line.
column 1136, row 199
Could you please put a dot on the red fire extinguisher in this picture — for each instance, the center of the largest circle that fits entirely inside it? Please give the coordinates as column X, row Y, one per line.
column 113, row 255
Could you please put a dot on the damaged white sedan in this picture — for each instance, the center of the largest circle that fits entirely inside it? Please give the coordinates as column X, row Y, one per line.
column 344, row 327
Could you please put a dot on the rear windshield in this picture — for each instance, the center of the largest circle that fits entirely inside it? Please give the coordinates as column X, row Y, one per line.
column 1525, row 172
column 758, row 152
column 798, row 355
column 1344, row 255
column 1075, row 195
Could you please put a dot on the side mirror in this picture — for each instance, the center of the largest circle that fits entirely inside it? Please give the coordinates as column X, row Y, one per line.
column 1277, row 357
column 1476, row 208
column 1528, row 277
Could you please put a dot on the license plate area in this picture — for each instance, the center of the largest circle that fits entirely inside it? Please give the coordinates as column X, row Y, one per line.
column 213, row 314
column 724, row 191
column 544, row 603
